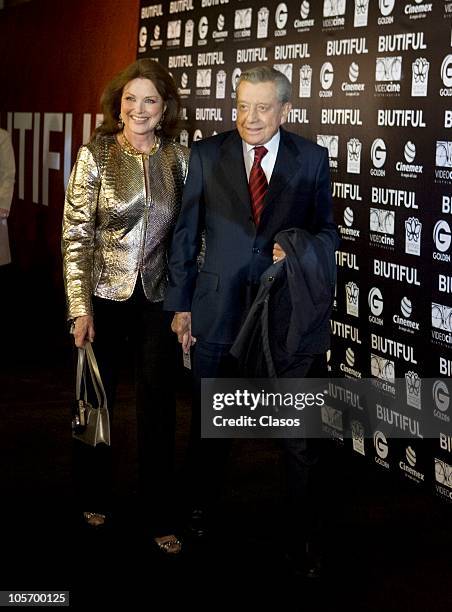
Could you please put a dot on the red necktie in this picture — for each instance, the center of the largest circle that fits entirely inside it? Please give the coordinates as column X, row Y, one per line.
column 258, row 184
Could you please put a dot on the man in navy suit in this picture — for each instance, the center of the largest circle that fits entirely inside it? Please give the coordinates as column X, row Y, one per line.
column 238, row 208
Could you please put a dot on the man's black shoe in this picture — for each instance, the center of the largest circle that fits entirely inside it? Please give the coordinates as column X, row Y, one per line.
column 198, row 525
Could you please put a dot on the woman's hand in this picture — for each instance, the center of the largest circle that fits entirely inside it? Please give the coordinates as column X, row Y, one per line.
column 278, row 253
column 83, row 330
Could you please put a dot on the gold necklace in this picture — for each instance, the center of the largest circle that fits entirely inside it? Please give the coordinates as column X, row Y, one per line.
column 131, row 149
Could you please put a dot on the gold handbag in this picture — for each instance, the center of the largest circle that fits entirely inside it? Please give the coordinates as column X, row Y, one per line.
column 90, row 424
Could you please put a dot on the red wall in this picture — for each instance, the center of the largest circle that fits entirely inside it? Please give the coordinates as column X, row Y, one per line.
column 56, row 57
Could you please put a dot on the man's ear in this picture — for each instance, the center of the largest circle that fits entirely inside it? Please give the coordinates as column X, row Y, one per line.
column 286, row 108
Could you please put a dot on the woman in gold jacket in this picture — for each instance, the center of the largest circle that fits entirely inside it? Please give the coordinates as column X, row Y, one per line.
column 121, row 205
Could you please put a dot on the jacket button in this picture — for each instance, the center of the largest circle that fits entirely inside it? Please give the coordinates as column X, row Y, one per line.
column 270, row 279
column 256, row 250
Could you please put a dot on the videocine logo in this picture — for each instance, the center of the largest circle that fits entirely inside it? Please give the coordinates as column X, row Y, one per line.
column 354, row 147
column 262, row 22
column 281, row 16
column 443, row 475
column 413, row 389
column 173, row 33
column 413, row 229
column 352, row 299
column 442, row 324
column 443, row 159
column 332, row 144
column 378, row 156
column 388, row 70
column 419, row 79
column 441, row 398
column 361, row 13
column 242, row 22
column 358, row 434
column 375, row 301
column 381, row 226
column 382, row 368
column 326, row 80
column 305, row 81
column 442, row 239
column 303, row 24
column 203, row 81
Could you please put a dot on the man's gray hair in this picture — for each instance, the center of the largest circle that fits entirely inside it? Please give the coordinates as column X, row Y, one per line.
column 265, row 74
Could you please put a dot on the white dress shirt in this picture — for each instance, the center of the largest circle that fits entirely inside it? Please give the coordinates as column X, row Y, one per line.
column 269, row 159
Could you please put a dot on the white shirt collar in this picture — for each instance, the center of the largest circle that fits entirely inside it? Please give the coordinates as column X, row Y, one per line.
column 271, row 146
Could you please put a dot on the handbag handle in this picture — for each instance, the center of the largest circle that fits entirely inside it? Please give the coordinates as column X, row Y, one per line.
column 88, row 354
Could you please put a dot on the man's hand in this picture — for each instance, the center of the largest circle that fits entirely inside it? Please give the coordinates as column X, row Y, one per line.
column 83, row 330
column 4, row 212
column 181, row 325
column 278, row 253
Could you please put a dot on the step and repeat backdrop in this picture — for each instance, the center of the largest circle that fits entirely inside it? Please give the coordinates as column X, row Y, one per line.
column 372, row 82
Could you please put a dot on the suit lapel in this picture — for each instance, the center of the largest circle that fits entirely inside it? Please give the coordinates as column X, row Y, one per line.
column 233, row 169
column 288, row 163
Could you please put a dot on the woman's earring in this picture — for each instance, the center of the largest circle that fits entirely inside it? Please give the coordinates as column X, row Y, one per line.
column 120, row 123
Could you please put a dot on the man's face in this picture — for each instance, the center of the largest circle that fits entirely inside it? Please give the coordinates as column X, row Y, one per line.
column 259, row 113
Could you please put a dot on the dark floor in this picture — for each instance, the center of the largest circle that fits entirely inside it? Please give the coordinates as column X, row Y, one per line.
column 388, row 543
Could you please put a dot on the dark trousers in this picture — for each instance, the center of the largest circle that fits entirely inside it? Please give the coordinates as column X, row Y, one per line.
column 302, row 459
column 146, row 327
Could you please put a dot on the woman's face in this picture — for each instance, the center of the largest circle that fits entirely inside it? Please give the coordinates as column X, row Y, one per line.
column 141, row 107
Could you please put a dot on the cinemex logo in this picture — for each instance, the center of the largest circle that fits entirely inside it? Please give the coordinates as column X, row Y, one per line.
column 352, row 299
column 413, row 229
column 387, row 71
column 418, row 10
column 156, row 42
column 286, row 70
column 408, row 169
column 442, row 240
column 353, row 88
column 189, row 33
column 408, row 467
column 220, row 33
column 378, row 156
column 203, row 81
column 361, row 13
column 220, row 92
column 419, row 79
column 386, row 7
column 442, row 324
column 448, row 9
column 263, row 16
column 381, row 448
column 281, row 16
column 326, row 80
column 347, row 46
column 358, row 435
column 354, row 147
column 375, row 301
column 394, row 197
column 332, row 144
column 446, row 76
column 381, row 226
column 441, row 399
column 346, row 230
column 413, row 389
column 242, row 22
column 404, row 322
column 348, row 368
column 443, row 159
column 305, row 81
column 303, row 24
column 142, row 39
column 347, row 260
column 332, row 13
column 184, row 91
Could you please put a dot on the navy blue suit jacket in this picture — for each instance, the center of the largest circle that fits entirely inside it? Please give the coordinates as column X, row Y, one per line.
column 216, row 201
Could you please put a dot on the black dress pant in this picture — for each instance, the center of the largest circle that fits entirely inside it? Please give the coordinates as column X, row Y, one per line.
column 303, row 459
column 146, row 327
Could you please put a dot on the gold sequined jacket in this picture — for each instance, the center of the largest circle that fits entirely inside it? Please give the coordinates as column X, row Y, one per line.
column 113, row 233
